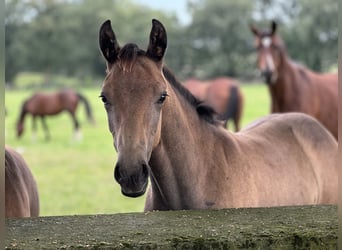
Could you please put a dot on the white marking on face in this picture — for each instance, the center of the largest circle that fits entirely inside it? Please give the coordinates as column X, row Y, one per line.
column 266, row 42
column 269, row 62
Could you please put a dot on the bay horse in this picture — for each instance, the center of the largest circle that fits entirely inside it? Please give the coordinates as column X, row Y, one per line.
column 21, row 193
column 223, row 94
column 163, row 133
column 47, row 104
column 293, row 87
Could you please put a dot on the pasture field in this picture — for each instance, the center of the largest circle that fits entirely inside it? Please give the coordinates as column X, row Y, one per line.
column 76, row 177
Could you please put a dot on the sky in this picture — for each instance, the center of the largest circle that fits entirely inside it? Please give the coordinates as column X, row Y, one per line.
column 179, row 7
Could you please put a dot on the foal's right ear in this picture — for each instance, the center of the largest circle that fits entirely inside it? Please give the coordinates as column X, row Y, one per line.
column 108, row 43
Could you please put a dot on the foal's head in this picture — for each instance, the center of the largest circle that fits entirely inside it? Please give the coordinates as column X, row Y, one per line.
column 20, row 122
column 270, row 48
column 133, row 94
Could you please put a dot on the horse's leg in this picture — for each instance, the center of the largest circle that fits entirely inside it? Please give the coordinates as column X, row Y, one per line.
column 34, row 129
column 225, row 124
column 236, row 124
column 236, row 120
column 47, row 133
column 77, row 131
column 237, row 117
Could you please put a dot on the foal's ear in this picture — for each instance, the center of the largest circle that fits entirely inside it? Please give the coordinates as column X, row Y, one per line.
column 254, row 29
column 273, row 28
column 158, row 41
column 108, row 43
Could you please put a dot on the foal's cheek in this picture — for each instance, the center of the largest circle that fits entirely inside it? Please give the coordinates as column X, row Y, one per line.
column 157, row 133
column 111, row 126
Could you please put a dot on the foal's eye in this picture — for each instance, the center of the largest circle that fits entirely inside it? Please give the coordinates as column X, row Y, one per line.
column 162, row 97
column 103, row 99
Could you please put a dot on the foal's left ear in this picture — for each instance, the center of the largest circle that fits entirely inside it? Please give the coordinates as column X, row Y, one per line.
column 158, row 41
column 254, row 29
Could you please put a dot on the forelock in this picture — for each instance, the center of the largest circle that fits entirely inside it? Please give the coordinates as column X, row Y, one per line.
column 128, row 55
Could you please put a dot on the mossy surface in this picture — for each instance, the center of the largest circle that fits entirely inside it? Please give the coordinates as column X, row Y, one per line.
column 309, row 227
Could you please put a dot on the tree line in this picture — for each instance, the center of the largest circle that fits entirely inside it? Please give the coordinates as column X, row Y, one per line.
column 61, row 36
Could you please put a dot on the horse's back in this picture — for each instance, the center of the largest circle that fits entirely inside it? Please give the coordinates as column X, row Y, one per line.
column 52, row 103
column 69, row 99
column 219, row 92
column 225, row 97
column 305, row 151
column 21, row 193
column 197, row 88
column 43, row 104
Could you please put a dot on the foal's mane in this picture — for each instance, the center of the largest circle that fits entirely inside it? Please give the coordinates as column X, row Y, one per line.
column 127, row 57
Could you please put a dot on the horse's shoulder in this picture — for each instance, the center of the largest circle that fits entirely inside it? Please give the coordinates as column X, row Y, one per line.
column 14, row 163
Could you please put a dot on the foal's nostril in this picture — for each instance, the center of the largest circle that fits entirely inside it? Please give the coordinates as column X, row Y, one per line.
column 145, row 170
column 265, row 72
column 133, row 178
column 117, row 174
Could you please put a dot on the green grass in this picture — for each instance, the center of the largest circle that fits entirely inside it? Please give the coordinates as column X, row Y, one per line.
column 77, row 177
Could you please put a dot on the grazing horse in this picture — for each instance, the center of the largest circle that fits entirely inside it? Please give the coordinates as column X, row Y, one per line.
column 293, row 87
column 160, row 130
column 223, row 94
column 21, row 193
column 48, row 104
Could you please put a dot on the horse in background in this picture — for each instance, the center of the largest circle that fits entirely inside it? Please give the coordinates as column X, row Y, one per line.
column 164, row 134
column 293, row 87
column 21, row 193
column 223, row 94
column 49, row 104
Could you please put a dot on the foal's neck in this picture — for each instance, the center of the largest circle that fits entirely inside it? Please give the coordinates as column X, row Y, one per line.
column 178, row 162
column 23, row 114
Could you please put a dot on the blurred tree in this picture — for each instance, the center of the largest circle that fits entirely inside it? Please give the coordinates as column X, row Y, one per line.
column 14, row 22
column 61, row 36
column 219, row 37
column 313, row 36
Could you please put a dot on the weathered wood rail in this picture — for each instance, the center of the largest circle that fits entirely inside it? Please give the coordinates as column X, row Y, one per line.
column 308, row 227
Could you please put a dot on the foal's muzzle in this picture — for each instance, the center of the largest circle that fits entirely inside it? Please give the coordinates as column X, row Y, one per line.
column 268, row 76
column 133, row 183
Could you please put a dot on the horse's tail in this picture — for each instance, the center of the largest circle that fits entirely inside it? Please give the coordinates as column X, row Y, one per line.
column 232, row 105
column 87, row 107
